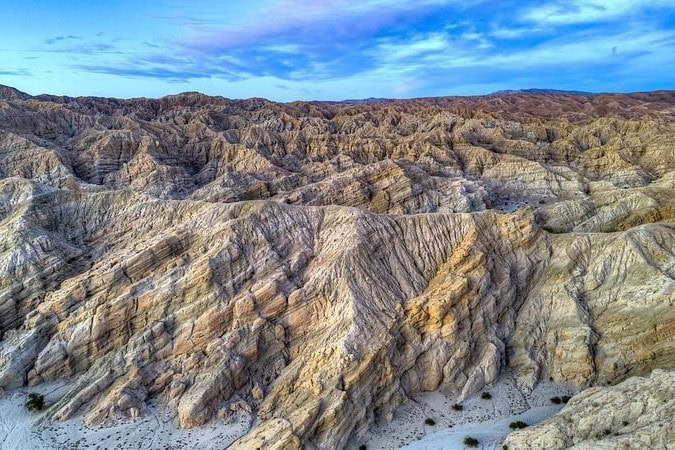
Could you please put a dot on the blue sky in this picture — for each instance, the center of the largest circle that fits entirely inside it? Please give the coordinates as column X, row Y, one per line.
column 335, row 49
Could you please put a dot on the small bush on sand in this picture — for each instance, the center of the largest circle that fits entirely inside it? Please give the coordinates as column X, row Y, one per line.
column 486, row 396
column 470, row 442
column 430, row 421
column 517, row 425
column 565, row 398
column 556, row 400
column 35, row 402
column 457, row 407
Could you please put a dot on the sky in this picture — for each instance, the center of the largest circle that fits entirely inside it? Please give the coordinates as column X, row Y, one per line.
column 288, row 50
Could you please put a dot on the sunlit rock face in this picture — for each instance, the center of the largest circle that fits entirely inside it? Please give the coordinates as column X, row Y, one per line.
column 314, row 264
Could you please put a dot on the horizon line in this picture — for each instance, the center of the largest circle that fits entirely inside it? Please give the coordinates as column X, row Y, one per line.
column 501, row 92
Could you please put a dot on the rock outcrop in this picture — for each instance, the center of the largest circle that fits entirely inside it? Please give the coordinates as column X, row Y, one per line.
column 635, row 414
column 311, row 265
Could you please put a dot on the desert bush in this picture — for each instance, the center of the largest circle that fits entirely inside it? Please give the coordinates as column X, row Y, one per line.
column 556, row 400
column 457, row 407
column 486, row 396
column 430, row 421
column 517, row 425
column 35, row 402
column 470, row 442
column 565, row 398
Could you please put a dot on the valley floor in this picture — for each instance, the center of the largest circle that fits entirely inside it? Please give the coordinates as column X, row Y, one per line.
column 486, row 420
column 20, row 430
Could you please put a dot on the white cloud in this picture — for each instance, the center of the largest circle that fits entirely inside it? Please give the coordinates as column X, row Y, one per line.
column 500, row 32
column 420, row 45
column 587, row 11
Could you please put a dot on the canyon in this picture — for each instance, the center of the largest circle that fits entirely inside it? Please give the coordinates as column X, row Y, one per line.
column 312, row 266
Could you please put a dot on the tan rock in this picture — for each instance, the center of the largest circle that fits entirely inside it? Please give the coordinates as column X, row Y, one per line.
column 312, row 265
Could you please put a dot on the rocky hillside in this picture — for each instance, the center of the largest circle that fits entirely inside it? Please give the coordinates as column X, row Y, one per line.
column 314, row 264
column 635, row 414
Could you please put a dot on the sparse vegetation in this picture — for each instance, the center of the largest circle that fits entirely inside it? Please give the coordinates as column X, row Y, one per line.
column 625, row 423
column 470, row 442
column 457, row 407
column 486, row 396
column 35, row 402
column 505, row 447
column 430, row 421
column 565, row 398
column 517, row 425
column 362, row 447
column 556, row 400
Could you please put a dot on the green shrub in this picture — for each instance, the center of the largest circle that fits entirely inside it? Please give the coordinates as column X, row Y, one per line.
column 556, row 400
column 517, row 425
column 457, row 407
column 486, row 396
column 430, row 421
column 470, row 442
column 35, row 402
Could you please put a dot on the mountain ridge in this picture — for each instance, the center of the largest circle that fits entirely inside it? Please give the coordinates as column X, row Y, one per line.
column 10, row 93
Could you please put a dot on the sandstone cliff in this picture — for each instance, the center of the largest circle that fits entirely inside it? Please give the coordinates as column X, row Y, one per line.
column 313, row 264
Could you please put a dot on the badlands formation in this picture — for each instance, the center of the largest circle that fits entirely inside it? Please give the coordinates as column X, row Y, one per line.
column 312, row 266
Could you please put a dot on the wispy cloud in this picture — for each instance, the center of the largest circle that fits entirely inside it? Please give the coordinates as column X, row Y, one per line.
column 57, row 39
column 77, row 45
column 15, row 72
column 342, row 48
column 172, row 75
column 587, row 11
column 310, row 21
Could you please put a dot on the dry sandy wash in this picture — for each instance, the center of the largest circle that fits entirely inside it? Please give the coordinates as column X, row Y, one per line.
column 312, row 266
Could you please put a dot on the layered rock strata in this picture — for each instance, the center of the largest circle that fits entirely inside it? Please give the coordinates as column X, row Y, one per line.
column 311, row 265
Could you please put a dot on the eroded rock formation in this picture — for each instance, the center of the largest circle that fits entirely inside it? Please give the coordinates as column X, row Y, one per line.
column 635, row 414
column 313, row 264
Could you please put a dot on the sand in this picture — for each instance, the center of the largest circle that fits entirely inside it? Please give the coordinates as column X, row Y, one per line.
column 486, row 420
column 22, row 430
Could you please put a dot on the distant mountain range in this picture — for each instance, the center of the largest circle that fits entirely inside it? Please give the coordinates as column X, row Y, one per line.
column 541, row 91
column 10, row 93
